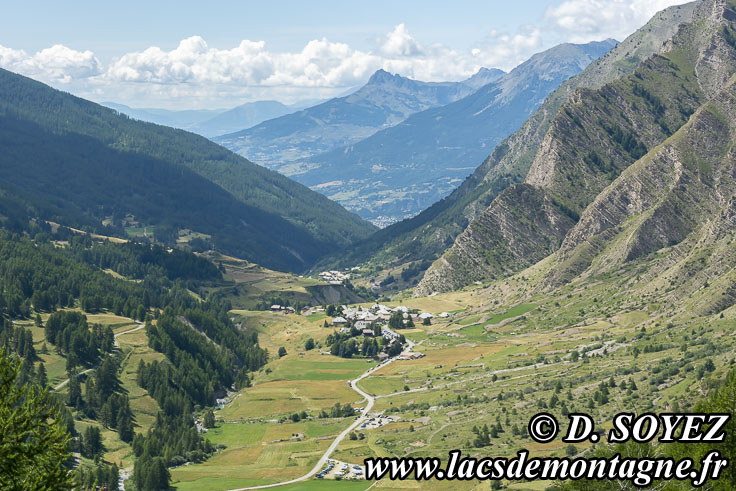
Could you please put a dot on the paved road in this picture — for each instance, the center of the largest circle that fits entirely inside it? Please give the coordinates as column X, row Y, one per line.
column 140, row 326
column 361, row 419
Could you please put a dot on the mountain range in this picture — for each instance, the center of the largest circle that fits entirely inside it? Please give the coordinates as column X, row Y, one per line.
column 401, row 170
column 415, row 242
column 383, row 101
column 211, row 122
column 512, row 211
column 183, row 119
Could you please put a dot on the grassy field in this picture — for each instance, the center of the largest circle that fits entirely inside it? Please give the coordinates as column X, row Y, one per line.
column 55, row 364
column 140, row 231
column 508, row 354
column 144, row 407
column 276, row 329
column 313, row 366
column 277, row 399
column 266, row 447
column 186, row 236
column 307, row 381
column 276, row 457
column 254, row 284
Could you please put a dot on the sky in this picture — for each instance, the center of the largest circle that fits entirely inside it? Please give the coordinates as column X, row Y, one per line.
column 218, row 54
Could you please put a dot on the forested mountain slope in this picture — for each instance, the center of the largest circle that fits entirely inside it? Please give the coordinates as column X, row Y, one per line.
column 50, row 292
column 76, row 162
column 596, row 135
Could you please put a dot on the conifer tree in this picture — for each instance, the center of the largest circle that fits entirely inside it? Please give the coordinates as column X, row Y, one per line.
column 34, row 442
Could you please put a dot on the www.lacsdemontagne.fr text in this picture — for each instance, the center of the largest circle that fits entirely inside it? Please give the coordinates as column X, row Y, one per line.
column 639, row 471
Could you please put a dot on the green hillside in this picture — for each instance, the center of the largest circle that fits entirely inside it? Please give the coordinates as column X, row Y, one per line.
column 78, row 163
column 62, row 316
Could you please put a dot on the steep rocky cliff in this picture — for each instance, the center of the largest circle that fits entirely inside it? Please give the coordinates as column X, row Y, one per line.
column 676, row 203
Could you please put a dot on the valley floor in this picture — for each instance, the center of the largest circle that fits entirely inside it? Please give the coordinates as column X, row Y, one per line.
column 507, row 354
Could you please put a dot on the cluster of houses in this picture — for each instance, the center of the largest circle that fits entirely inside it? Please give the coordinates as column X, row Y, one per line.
column 282, row 308
column 387, row 333
column 364, row 320
column 378, row 313
column 334, row 277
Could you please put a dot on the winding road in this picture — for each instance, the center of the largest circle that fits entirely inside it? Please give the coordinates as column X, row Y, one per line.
column 126, row 472
column 140, row 326
column 333, row 446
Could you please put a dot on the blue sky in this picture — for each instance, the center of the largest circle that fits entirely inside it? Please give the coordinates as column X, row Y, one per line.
column 185, row 54
column 285, row 25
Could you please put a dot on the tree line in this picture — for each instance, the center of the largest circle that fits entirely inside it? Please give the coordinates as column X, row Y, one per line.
column 205, row 354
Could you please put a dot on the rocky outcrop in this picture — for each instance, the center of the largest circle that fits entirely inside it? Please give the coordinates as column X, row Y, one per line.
column 595, row 136
column 668, row 224
column 686, row 186
column 508, row 241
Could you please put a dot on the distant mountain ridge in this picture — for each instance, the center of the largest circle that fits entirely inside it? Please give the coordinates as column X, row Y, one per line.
column 243, row 116
column 383, row 101
column 210, row 123
column 401, row 170
column 176, row 119
column 77, row 163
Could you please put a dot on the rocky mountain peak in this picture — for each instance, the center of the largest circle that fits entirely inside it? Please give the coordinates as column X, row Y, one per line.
column 381, row 76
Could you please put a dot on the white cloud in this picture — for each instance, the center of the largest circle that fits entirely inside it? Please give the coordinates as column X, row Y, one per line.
column 195, row 74
column 505, row 51
column 587, row 20
column 55, row 64
column 320, row 63
column 399, row 43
